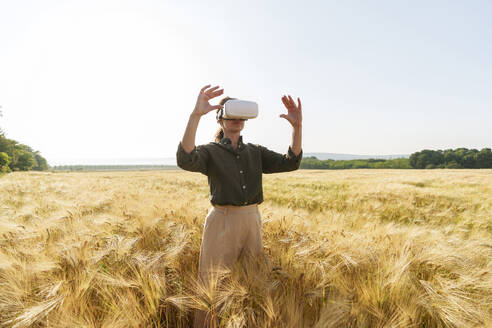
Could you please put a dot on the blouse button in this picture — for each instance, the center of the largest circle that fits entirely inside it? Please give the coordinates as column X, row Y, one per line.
column 241, row 171
column 244, row 187
column 237, row 156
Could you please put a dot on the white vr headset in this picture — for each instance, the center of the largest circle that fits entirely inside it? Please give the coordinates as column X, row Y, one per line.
column 238, row 109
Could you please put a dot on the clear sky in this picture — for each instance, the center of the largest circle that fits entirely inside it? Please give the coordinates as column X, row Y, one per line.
column 107, row 79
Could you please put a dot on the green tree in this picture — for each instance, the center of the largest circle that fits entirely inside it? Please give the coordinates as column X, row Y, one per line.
column 6, row 145
column 25, row 161
column 42, row 164
column 4, row 162
column 459, row 154
column 400, row 163
column 453, row 165
column 313, row 163
column 20, row 157
column 470, row 159
column 484, row 158
column 450, row 156
column 426, row 159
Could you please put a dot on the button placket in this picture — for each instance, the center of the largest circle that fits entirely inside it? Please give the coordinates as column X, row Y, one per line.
column 242, row 180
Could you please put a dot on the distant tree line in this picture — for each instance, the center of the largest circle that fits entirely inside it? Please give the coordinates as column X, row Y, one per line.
column 452, row 159
column 15, row 156
column 112, row 167
column 425, row 159
column 330, row 164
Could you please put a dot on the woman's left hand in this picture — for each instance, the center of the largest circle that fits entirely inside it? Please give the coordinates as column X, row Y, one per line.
column 294, row 115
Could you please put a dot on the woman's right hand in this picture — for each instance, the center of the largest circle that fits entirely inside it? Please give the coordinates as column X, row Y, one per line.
column 202, row 106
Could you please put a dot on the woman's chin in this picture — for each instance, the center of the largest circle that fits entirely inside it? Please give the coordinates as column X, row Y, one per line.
column 235, row 129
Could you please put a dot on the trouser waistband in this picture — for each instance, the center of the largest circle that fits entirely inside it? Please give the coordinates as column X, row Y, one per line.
column 236, row 209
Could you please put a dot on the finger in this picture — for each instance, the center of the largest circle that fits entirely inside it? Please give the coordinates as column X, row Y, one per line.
column 286, row 117
column 299, row 102
column 288, row 103
column 204, row 87
column 292, row 103
column 285, row 101
column 212, row 89
column 217, row 93
column 217, row 107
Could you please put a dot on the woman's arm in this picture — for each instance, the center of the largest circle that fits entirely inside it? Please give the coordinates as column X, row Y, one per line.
column 189, row 157
column 202, row 107
column 188, row 141
column 294, row 116
column 273, row 162
column 296, row 143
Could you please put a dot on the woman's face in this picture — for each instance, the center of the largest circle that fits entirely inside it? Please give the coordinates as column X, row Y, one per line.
column 232, row 126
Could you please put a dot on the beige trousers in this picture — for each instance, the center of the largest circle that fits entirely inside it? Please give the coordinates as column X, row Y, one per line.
column 229, row 232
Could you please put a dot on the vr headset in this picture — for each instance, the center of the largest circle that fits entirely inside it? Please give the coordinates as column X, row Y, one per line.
column 238, row 109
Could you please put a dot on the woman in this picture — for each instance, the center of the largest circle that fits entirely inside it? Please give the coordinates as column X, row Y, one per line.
column 233, row 225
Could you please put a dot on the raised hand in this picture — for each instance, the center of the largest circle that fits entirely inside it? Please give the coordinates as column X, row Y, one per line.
column 202, row 105
column 294, row 113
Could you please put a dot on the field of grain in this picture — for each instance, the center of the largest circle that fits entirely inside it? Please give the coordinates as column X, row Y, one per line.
column 354, row 248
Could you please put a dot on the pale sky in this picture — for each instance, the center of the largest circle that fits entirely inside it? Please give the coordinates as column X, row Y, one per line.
column 118, row 79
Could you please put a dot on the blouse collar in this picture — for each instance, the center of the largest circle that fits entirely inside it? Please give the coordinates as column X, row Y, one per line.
column 227, row 141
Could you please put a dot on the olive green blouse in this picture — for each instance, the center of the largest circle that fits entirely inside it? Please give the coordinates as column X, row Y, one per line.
column 234, row 175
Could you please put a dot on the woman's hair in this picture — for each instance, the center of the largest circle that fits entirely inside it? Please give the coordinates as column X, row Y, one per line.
column 220, row 132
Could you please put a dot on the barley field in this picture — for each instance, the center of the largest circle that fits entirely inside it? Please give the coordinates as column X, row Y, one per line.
column 352, row 248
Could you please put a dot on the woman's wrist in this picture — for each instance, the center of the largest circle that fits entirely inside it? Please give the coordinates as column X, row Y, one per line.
column 195, row 115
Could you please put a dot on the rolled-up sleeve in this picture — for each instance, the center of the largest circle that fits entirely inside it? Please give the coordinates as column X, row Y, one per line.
column 195, row 161
column 273, row 162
